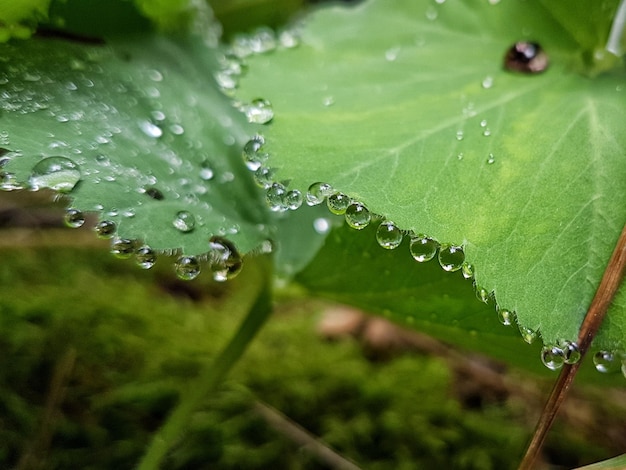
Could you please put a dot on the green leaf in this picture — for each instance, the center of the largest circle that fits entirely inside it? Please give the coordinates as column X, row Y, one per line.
column 148, row 132
column 19, row 17
column 406, row 107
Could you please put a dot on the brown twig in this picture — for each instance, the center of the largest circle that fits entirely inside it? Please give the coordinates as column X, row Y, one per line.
column 611, row 280
column 302, row 437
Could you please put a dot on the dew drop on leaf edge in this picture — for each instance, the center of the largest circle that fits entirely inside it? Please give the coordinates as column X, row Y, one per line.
column 145, row 257
column 388, row 235
column 187, row 268
column 451, row 257
column 423, row 248
column 338, row 203
column 552, row 357
column 357, row 216
column 105, row 229
column 74, row 218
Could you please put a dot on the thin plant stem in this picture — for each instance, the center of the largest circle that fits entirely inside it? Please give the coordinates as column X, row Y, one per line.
column 209, row 380
column 609, row 285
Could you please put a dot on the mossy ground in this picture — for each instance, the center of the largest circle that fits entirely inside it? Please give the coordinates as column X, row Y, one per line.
column 94, row 354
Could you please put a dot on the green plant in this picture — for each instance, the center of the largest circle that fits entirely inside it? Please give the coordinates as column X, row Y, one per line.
column 387, row 111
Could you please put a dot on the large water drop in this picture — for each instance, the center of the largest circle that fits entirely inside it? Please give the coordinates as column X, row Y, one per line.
column 451, row 257
column 552, row 357
column 317, row 193
column 260, row 111
column 388, row 235
column 145, row 257
column 57, row 173
column 423, row 248
column 224, row 258
column 105, row 229
column 357, row 216
column 184, row 221
column 74, row 218
column 338, row 203
column 187, row 268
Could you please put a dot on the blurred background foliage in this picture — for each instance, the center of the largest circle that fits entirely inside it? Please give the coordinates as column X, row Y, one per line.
column 94, row 353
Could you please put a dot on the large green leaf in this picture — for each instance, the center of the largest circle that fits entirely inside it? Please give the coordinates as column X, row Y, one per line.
column 405, row 106
column 143, row 134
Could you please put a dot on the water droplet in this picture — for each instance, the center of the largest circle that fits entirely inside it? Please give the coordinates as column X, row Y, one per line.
column 317, row 192
column 105, row 229
column 74, row 218
column 357, row 216
column 225, row 261
column 459, row 135
column 528, row 334
column 252, row 154
column 259, row 111
column 491, row 159
column 57, row 173
column 328, row 101
column 460, row 156
column 123, row 248
column 154, row 193
column 467, row 270
column 184, row 221
column 552, row 357
column 150, row 129
column 605, row 361
column 487, row 82
column 487, row 132
column 571, row 353
column 451, row 257
column 263, row 40
column 483, row 123
column 187, row 268
column 505, row 316
column 482, row 294
column 526, row 57
column 392, row 53
column 206, row 171
column 423, row 248
column 145, row 257
column 275, row 197
column 264, row 177
column 321, row 225
column 338, row 203
column 388, row 235
column 293, row 199
column 431, row 14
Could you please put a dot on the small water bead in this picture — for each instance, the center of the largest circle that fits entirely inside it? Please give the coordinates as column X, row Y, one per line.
column 571, row 353
column 74, row 218
column 487, row 82
column 264, row 177
column 338, row 203
column 605, row 361
column 467, row 270
column 528, row 334
column 57, row 173
column 252, row 154
column 451, row 257
column 459, row 135
column 388, row 235
column 275, row 197
column 150, row 129
column 357, row 216
column 187, row 268
column 487, row 132
column 423, row 248
column 224, row 259
column 184, row 221
column 552, row 357
column 317, row 192
column 505, row 316
column 263, row 40
column 483, row 123
column 145, row 257
column 293, row 199
column 482, row 294
column 123, row 248
column 206, row 171
column 259, row 111
column 105, row 229
column 491, row 159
